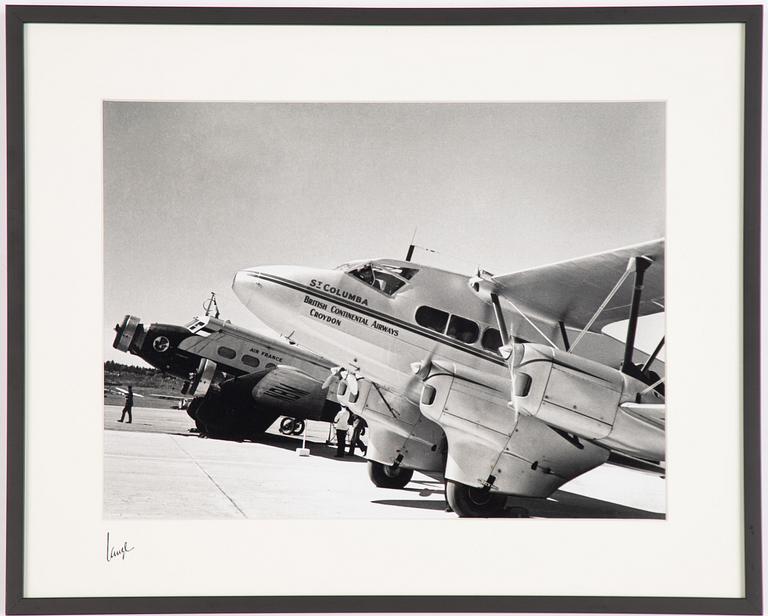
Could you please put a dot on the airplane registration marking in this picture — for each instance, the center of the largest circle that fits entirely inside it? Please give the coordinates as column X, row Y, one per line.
column 420, row 331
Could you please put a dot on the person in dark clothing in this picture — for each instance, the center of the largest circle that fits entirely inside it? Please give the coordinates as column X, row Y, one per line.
column 128, row 405
column 358, row 429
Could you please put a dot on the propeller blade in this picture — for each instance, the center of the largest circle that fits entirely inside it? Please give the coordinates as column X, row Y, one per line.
column 420, row 371
column 354, row 388
column 334, row 372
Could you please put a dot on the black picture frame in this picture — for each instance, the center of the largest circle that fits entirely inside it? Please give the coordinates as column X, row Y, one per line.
column 18, row 16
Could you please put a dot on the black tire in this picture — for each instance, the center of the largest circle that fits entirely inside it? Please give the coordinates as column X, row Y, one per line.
column 287, row 425
column 192, row 409
column 468, row 502
column 194, row 405
column 298, row 427
column 388, row 476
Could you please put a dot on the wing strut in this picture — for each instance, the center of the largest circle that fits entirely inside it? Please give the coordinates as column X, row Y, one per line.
column 483, row 283
column 500, row 319
column 564, row 334
column 649, row 361
column 640, row 265
column 617, row 286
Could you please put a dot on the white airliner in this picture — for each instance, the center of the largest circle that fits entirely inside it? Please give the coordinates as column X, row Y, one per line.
column 504, row 383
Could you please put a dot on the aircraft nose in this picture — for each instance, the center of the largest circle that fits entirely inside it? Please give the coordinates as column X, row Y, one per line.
column 248, row 285
column 243, row 283
column 271, row 292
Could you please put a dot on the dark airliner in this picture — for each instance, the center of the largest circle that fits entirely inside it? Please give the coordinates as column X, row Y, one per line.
column 239, row 381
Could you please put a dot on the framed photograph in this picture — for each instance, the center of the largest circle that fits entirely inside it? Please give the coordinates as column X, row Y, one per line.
column 377, row 310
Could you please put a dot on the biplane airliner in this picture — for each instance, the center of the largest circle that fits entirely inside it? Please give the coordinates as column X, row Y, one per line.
column 237, row 382
column 504, row 383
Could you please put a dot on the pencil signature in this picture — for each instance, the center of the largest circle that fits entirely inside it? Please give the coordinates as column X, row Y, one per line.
column 113, row 552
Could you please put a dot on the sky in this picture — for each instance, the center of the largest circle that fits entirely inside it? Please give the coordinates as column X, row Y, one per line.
column 194, row 192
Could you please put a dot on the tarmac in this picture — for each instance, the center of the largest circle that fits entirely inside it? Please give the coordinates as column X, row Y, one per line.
column 157, row 468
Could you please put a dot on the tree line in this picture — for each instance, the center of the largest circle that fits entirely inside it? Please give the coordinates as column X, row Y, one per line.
column 113, row 366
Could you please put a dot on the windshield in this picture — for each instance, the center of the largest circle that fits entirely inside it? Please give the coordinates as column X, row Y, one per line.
column 195, row 325
column 385, row 278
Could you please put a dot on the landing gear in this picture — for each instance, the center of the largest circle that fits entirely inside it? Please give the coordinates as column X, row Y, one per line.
column 192, row 409
column 468, row 502
column 215, row 418
column 388, row 476
column 289, row 425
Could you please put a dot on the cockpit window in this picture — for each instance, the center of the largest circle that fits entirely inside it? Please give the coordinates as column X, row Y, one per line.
column 386, row 279
column 194, row 325
column 492, row 340
column 197, row 326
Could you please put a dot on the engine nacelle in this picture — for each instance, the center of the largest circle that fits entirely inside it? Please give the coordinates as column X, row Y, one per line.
column 584, row 397
column 490, row 445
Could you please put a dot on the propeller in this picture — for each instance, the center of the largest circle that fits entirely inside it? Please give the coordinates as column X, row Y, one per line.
column 344, row 374
column 354, row 388
column 420, row 371
column 335, row 372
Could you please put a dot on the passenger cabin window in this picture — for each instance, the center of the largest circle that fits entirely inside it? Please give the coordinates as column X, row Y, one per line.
column 491, row 340
column 250, row 360
column 384, row 278
column 431, row 318
column 463, row 330
column 226, row 352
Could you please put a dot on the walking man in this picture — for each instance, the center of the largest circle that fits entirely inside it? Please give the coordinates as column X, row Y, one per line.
column 128, row 405
column 341, row 423
column 358, row 429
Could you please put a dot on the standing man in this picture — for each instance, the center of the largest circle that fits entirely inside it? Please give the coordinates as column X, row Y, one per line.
column 341, row 423
column 128, row 405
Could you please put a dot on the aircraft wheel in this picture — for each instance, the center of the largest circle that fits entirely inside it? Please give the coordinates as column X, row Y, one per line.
column 287, row 425
column 193, row 407
column 468, row 502
column 388, row 476
column 298, row 427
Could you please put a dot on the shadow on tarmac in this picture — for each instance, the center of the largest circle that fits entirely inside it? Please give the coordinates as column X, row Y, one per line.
column 562, row 505
column 320, row 450
column 568, row 505
column 413, row 504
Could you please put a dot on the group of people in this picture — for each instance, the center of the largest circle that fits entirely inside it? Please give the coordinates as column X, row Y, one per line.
column 342, row 422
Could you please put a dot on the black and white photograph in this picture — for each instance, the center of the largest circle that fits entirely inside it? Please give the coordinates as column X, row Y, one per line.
column 384, row 310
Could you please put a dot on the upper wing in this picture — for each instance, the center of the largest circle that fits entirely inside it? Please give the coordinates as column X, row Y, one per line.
column 571, row 291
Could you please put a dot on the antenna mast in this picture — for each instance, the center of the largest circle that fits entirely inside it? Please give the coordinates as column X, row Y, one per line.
column 210, row 305
column 412, row 246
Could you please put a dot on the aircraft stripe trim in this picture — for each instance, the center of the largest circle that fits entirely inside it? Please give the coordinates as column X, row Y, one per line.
column 380, row 316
